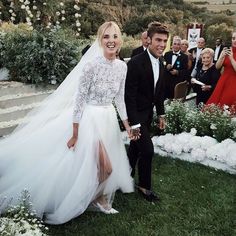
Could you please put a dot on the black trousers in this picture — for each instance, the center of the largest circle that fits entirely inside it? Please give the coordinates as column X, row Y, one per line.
column 141, row 152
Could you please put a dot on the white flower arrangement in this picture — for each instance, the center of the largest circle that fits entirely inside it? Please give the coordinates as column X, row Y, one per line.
column 21, row 220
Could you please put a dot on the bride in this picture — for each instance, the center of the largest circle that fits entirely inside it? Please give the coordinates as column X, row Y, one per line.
column 69, row 153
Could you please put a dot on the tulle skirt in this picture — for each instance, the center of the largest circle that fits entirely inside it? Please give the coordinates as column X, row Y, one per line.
column 62, row 182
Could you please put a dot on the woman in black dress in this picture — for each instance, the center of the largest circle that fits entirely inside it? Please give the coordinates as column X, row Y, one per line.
column 206, row 77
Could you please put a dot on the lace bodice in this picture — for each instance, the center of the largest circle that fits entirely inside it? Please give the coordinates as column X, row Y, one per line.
column 101, row 82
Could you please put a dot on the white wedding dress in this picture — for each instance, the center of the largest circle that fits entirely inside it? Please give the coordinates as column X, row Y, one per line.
column 62, row 182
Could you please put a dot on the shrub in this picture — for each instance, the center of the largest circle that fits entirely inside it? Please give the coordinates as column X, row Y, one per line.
column 37, row 57
column 209, row 120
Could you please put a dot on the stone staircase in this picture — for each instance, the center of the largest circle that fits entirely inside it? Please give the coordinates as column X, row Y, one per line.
column 16, row 100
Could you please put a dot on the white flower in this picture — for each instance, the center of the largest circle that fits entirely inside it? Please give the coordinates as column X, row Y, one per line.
column 61, row 4
column 76, row 15
column 78, row 24
column 21, row 0
column 10, row 10
column 76, row 1
column 27, row 2
column 63, row 18
column 44, row 3
column 234, row 134
column 63, row 11
column 77, row 34
column 35, row 7
column 13, row 18
column 77, row 7
column 58, row 13
column 193, row 131
column 22, row 6
column 213, row 127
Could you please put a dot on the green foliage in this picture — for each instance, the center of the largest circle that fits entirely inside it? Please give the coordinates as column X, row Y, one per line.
column 220, row 30
column 175, row 115
column 210, row 120
column 38, row 57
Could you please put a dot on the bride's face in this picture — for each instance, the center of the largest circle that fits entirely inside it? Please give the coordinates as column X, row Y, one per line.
column 110, row 42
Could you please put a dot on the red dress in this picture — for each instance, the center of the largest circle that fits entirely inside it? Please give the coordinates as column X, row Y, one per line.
column 225, row 90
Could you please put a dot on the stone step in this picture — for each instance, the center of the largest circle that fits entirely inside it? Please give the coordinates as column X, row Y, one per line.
column 8, row 101
column 14, row 88
column 16, row 112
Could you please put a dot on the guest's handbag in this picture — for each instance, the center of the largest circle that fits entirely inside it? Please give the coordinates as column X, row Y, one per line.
column 104, row 168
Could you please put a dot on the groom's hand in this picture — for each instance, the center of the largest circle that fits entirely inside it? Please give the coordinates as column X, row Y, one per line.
column 162, row 123
column 135, row 134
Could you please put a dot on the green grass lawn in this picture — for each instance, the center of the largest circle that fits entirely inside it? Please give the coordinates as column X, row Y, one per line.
column 196, row 200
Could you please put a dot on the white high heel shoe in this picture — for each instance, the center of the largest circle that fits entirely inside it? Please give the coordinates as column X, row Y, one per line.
column 106, row 211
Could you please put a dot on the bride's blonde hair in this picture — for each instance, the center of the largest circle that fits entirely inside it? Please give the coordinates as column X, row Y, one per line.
column 105, row 26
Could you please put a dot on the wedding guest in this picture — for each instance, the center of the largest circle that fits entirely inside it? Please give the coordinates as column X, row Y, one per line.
column 206, row 77
column 224, row 93
column 144, row 89
column 176, row 69
column 143, row 47
column 195, row 52
column 184, row 49
column 64, row 180
column 218, row 49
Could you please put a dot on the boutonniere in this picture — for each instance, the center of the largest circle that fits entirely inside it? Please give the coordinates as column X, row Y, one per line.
column 178, row 64
column 164, row 63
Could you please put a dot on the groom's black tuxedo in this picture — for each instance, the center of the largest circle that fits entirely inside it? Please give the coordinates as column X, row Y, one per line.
column 140, row 98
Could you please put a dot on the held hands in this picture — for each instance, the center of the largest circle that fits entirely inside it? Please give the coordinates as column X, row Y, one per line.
column 134, row 134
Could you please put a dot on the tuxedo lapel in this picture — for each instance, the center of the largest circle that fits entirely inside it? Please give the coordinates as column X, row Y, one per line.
column 148, row 69
column 160, row 79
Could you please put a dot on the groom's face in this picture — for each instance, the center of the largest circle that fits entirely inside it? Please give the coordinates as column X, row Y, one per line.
column 157, row 44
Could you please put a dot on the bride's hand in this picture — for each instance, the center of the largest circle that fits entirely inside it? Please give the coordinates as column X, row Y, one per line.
column 71, row 143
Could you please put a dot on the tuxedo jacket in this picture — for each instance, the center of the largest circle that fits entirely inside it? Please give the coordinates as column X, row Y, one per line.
column 181, row 65
column 137, row 51
column 221, row 48
column 140, row 97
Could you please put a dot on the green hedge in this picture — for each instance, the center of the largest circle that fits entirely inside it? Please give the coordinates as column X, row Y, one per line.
column 38, row 57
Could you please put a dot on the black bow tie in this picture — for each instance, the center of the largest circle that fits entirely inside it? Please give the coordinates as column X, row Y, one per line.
column 176, row 54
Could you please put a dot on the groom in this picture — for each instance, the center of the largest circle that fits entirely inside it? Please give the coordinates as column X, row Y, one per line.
column 144, row 90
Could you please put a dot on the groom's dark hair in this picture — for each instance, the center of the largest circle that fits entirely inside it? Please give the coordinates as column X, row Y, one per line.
column 157, row 27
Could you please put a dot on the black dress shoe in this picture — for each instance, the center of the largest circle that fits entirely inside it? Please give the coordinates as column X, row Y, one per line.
column 149, row 195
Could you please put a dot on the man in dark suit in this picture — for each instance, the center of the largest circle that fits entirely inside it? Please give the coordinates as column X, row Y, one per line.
column 176, row 70
column 196, row 56
column 218, row 49
column 144, row 46
column 144, row 89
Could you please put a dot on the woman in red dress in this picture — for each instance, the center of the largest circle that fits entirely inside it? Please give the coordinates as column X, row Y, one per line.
column 225, row 91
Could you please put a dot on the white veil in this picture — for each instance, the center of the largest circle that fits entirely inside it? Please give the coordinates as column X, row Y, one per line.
column 60, row 100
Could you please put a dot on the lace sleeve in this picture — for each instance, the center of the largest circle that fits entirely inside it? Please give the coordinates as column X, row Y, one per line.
column 82, row 92
column 119, row 99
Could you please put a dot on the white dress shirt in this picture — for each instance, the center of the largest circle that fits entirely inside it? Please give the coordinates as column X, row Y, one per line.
column 155, row 67
column 217, row 50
